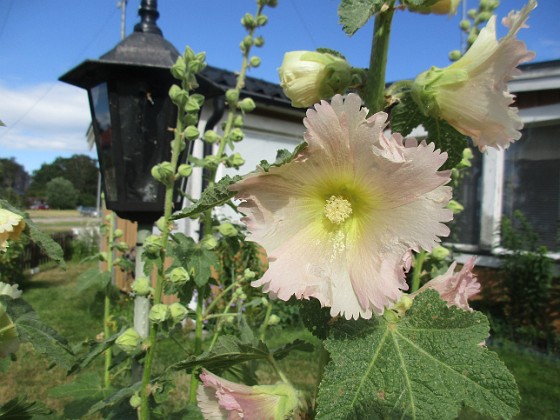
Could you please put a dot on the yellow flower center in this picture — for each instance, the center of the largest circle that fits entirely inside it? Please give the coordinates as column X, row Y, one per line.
column 337, row 209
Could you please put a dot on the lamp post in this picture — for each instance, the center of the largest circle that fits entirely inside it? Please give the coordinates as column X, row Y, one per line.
column 131, row 115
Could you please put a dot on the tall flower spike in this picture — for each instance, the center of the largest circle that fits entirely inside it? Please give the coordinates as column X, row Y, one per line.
column 455, row 288
column 471, row 94
column 223, row 399
column 338, row 221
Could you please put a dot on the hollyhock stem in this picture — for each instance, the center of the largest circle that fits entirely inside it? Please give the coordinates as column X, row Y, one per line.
column 107, row 303
column 417, row 272
column 374, row 91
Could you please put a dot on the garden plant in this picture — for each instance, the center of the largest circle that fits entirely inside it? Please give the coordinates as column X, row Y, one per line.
column 343, row 227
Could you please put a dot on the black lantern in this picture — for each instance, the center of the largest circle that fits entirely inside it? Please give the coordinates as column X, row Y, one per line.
column 131, row 116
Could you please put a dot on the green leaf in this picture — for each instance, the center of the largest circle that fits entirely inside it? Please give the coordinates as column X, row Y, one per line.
column 214, row 196
column 286, row 349
column 19, row 408
column 355, row 13
column 93, row 278
column 406, row 116
column 316, row 319
column 427, row 366
column 42, row 337
column 115, row 399
column 197, row 260
column 87, row 385
column 45, row 242
column 283, row 156
column 95, row 349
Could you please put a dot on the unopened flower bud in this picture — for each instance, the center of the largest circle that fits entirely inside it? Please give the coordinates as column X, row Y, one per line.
column 182, row 145
column 246, row 105
column 232, row 96
column 255, row 61
column 262, row 20
column 159, row 313
column 259, row 41
column 248, row 274
column 227, row 230
column 455, row 206
column 247, row 41
column 184, row 170
column 135, row 401
column 236, row 135
column 211, row 161
column 179, row 68
column 160, row 223
column 142, row 286
column 235, row 161
column 211, row 137
column 191, row 133
column 152, row 245
column 178, row 96
column 178, row 312
column 103, row 256
column 129, row 341
column 118, row 233
column 209, row 242
column 465, row 24
column 163, row 172
column 454, row 55
column 121, row 247
column 440, row 253
column 274, row 320
column 471, row 13
column 238, row 121
column 178, row 276
column 249, row 21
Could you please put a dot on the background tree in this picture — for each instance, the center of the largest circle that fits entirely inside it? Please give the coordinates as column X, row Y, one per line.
column 61, row 194
column 80, row 170
column 14, row 181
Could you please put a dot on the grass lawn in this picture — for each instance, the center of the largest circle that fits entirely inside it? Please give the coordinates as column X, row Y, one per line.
column 61, row 220
column 78, row 317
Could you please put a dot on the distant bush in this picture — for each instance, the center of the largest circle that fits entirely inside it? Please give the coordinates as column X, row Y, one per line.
column 61, row 194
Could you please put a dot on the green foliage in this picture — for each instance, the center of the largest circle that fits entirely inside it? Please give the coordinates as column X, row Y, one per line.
column 406, row 116
column 425, row 366
column 13, row 181
column 213, row 196
column 197, row 260
column 527, row 281
column 11, row 267
column 43, row 338
column 283, row 156
column 93, row 278
column 61, row 194
column 21, row 409
column 355, row 13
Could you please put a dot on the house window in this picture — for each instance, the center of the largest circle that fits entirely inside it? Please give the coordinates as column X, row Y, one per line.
column 532, row 181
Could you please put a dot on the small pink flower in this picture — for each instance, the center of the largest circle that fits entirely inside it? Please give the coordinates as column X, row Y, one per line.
column 222, row 399
column 455, row 288
column 472, row 94
column 338, row 221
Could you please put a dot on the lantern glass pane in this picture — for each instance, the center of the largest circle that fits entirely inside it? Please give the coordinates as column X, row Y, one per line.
column 142, row 125
column 102, row 118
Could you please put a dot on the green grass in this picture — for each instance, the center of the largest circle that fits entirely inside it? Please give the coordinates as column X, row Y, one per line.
column 79, row 317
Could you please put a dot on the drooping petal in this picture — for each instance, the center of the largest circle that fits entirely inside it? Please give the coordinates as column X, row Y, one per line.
column 338, row 221
column 455, row 288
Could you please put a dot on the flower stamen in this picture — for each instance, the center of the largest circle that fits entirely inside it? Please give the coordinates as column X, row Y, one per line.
column 337, row 209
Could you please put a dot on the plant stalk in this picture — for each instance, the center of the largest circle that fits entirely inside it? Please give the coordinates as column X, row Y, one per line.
column 107, row 303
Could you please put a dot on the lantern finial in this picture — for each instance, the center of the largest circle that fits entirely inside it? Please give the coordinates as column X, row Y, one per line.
column 148, row 14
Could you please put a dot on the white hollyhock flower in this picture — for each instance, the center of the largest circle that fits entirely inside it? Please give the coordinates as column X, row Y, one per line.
column 471, row 94
column 11, row 226
column 338, row 221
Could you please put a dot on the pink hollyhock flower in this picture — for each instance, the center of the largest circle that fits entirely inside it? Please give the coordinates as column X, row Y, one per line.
column 222, row 399
column 338, row 220
column 471, row 94
column 455, row 288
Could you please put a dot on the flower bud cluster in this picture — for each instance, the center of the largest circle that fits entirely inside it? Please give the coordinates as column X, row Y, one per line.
column 169, row 315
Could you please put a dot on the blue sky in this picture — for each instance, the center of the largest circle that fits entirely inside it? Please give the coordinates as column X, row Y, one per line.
column 40, row 40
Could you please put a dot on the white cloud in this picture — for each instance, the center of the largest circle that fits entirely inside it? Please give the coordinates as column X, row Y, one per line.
column 44, row 117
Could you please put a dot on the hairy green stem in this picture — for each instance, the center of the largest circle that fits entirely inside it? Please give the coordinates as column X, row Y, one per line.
column 417, row 271
column 374, row 95
column 143, row 412
column 107, row 304
column 264, row 325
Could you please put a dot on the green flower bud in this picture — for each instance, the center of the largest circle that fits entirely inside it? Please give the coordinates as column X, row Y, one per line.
column 209, row 242
column 262, row 20
column 440, row 253
column 255, row 61
column 455, row 207
column 247, row 41
column 236, row 135
column 135, row 401
column 129, row 341
column 184, row 170
column 182, row 145
column 178, row 276
column 160, row 223
column 230, row 319
column 259, row 41
column 232, row 96
column 159, row 313
column 471, row 13
column 227, row 230
column 142, row 286
column 274, row 320
column 465, row 24
column 163, row 172
column 179, row 69
column 246, row 105
column 472, row 37
column 211, row 161
column 483, row 17
column 191, row 133
column 249, row 275
column 210, row 136
column 118, row 233
column 196, row 66
column 152, row 245
column 249, row 21
column 454, row 55
column 178, row 312
column 238, row 121
column 192, row 105
column 189, row 54
column 121, row 246
column 103, row 256
column 235, row 161
column 201, row 56
column 264, row 301
column 178, row 96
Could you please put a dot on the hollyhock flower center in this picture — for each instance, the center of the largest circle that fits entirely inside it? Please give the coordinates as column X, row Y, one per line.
column 337, row 209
